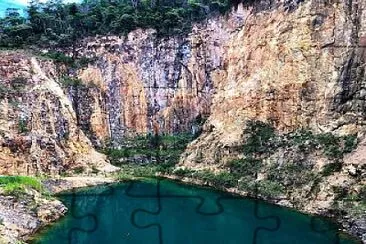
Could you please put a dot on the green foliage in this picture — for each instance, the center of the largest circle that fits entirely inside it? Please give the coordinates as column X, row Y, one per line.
column 330, row 144
column 291, row 174
column 261, row 141
column 137, row 171
column 68, row 81
column 246, row 166
column 22, row 125
column 350, row 143
column 59, row 57
column 4, row 90
column 362, row 193
column 340, row 192
column 70, row 61
column 14, row 31
column 354, row 203
column 183, row 172
column 260, row 137
column 115, row 154
column 331, row 168
column 79, row 170
column 222, row 179
column 166, row 149
column 18, row 83
column 95, row 170
column 270, row 188
column 56, row 24
column 303, row 139
column 16, row 185
column 247, row 184
column 14, row 88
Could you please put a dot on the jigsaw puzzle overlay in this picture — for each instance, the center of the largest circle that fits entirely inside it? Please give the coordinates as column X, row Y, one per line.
column 161, row 211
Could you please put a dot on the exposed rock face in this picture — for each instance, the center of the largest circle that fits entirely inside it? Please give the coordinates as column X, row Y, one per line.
column 292, row 69
column 294, row 64
column 150, row 84
column 21, row 218
column 302, row 68
column 38, row 133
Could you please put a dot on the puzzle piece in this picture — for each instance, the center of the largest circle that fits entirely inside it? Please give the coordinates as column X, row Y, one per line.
column 318, row 225
column 90, row 217
column 213, row 226
column 93, row 214
column 300, row 228
column 163, row 211
column 242, row 219
column 77, row 220
column 76, row 208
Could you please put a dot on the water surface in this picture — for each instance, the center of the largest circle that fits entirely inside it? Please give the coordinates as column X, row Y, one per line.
column 132, row 213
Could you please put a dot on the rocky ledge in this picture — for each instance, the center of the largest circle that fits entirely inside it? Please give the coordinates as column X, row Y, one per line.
column 23, row 215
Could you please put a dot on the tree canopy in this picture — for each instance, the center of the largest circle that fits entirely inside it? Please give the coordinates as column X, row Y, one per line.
column 57, row 24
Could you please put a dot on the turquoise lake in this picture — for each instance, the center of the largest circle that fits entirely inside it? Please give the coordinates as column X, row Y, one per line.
column 132, row 213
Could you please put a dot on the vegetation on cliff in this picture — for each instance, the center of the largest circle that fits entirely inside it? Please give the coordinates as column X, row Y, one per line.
column 15, row 185
column 272, row 165
column 147, row 155
column 55, row 24
column 276, row 166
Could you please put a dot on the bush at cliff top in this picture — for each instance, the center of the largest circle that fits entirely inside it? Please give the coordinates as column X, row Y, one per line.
column 57, row 24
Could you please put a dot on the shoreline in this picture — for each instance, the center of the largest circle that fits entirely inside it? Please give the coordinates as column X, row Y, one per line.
column 345, row 224
column 23, row 217
column 76, row 182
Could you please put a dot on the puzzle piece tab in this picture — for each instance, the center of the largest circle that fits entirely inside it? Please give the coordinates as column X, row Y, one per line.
column 207, row 218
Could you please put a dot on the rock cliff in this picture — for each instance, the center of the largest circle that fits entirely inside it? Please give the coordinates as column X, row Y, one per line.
column 293, row 64
column 38, row 132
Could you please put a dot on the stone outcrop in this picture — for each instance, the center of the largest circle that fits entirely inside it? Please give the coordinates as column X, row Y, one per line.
column 151, row 84
column 293, row 69
column 23, row 215
column 38, row 132
column 21, row 218
column 293, row 64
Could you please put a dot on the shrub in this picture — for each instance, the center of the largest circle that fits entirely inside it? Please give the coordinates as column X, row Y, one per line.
column 291, row 174
column 222, row 179
column 95, row 170
column 68, row 81
column 270, row 188
column 340, row 192
column 18, row 83
column 14, row 185
column 362, row 193
column 79, row 170
column 247, row 184
column 22, row 125
column 331, row 168
column 246, row 166
column 165, row 148
column 225, row 179
column 59, row 57
column 350, row 143
column 183, row 172
column 259, row 139
column 330, row 144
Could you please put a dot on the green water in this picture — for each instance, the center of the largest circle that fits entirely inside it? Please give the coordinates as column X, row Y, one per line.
column 132, row 213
